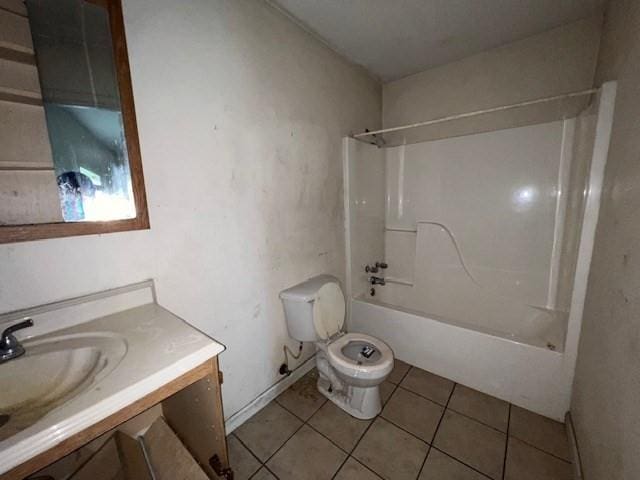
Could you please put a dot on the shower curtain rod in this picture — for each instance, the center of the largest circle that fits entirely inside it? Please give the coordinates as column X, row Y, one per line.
column 478, row 112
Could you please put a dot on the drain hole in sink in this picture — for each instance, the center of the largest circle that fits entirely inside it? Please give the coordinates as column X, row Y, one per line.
column 3, row 419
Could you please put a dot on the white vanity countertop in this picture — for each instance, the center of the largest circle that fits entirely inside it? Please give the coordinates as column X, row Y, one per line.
column 160, row 347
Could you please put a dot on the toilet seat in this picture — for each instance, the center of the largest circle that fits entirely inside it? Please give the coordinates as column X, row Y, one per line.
column 365, row 370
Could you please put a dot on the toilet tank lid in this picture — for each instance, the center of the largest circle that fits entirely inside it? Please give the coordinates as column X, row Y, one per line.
column 307, row 290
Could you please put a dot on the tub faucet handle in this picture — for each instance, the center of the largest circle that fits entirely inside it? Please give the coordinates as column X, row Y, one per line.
column 371, row 268
column 382, row 265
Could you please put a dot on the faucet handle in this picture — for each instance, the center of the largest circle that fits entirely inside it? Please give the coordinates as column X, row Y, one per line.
column 9, row 345
column 25, row 323
column 382, row 265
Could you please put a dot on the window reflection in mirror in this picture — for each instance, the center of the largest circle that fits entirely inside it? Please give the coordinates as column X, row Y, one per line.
column 90, row 160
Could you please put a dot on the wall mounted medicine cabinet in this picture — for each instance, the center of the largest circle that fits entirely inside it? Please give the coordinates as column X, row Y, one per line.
column 69, row 151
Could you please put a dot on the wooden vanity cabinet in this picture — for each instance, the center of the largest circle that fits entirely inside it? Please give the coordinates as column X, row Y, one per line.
column 191, row 405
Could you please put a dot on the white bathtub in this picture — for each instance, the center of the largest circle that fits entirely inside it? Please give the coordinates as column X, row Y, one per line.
column 528, row 375
column 479, row 309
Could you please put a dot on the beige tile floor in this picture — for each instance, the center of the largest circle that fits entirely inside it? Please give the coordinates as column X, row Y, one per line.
column 429, row 429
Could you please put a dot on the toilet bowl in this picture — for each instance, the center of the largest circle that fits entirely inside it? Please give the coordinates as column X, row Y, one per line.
column 351, row 366
column 346, row 358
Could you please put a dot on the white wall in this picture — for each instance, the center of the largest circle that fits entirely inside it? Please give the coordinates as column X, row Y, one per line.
column 607, row 384
column 558, row 61
column 241, row 116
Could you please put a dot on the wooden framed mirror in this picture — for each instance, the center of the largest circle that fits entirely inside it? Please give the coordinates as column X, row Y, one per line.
column 69, row 151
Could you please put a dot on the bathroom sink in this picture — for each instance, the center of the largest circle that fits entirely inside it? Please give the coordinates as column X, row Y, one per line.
column 88, row 359
column 53, row 371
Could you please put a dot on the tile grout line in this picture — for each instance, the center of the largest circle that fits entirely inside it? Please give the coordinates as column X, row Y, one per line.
column 424, row 460
column 306, row 422
column 435, row 432
column 246, row 446
column 425, row 397
column 480, row 421
column 404, row 375
column 262, row 464
column 541, row 450
column 395, row 387
column 444, row 409
column 452, row 409
column 283, row 443
column 365, row 466
column 269, row 470
column 506, row 445
column 404, row 430
column 340, row 466
column 299, row 417
column 470, row 418
column 461, row 462
column 510, row 435
column 477, row 421
column 250, row 452
column 253, row 475
column 333, row 442
column 422, row 396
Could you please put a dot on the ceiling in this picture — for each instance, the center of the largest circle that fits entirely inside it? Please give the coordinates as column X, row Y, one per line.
column 396, row 38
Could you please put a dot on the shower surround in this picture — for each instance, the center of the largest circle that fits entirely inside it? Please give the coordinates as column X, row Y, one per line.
column 488, row 238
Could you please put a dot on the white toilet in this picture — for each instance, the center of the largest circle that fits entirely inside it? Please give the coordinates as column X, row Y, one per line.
column 351, row 365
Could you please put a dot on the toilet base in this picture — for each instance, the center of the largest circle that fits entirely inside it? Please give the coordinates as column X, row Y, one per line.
column 362, row 403
column 359, row 402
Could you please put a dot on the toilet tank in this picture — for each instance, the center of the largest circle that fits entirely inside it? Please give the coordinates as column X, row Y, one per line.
column 298, row 307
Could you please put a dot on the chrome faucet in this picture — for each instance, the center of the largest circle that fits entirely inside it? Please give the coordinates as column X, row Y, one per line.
column 377, row 281
column 10, row 347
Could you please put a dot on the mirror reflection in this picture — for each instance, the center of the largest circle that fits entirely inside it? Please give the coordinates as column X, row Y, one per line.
column 64, row 151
